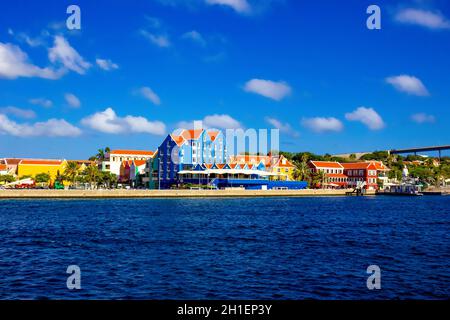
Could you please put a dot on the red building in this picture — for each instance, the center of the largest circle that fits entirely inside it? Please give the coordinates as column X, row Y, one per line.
column 334, row 173
column 360, row 172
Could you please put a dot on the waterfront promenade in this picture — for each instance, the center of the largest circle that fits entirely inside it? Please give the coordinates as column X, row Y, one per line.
column 22, row 194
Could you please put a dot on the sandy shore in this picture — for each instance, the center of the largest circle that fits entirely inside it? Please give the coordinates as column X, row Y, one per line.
column 14, row 194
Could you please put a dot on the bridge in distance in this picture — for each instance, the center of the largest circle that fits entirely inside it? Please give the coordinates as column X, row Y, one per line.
column 439, row 149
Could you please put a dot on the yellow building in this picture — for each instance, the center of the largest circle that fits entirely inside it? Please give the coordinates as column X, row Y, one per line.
column 32, row 167
column 283, row 168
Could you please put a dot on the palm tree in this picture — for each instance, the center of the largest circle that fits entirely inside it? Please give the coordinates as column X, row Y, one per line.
column 92, row 174
column 71, row 171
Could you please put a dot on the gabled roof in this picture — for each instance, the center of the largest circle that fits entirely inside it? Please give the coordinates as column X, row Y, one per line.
column 132, row 152
column 41, row 162
column 192, row 134
column 179, row 140
column 213, row 135
column 283, row 163
column 251, row 159
column 326, row 164
column 380, row 166
column 13, row 161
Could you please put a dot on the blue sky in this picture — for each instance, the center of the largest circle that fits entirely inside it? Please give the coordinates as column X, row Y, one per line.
column 138, row 69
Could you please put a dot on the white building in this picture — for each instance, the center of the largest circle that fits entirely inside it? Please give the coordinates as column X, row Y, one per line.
column 114, row 158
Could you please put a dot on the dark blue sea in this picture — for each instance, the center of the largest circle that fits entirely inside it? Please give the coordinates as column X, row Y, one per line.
column 265, row 248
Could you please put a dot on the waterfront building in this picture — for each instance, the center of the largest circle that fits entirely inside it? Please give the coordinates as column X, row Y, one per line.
column 113, row 159
column 361, row 173
column 184, row 151
column 32, row 167
column 284, row 168
column 137, row 170
column 334, row 176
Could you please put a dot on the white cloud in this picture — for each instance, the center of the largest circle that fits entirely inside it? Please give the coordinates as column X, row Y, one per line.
column 283, row 127
column 72, row 100
column 14, row 63
column 195, row 36
column 46, row 103
column 49, row 128
column 428, row 19
column 423, row 118
column 408, row 84
column 368, row 116
column 240, row 6
column 106, row 64
column 107, row 121
column 321, row 124
column 221, row 121
column 216, row 121
column 63, row 53
column 161, row 41
column 18, row 112
column 150, row 95
column 269, row 89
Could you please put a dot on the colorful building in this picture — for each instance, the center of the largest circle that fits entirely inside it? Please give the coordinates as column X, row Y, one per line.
column 284, row 168
column 334, row 176
column 113, row 160
column 32, row 167
column 361, row 174
column 184, row 151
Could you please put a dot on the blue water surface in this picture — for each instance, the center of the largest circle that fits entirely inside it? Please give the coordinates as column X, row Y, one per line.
column 259, row 248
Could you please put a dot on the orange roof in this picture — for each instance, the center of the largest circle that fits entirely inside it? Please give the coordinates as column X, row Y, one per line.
column 132, row 152
column 178, row 139
column 287, row 163
column 208, row 165
column 251, row 159
column 356, row 165
column 379, row 165
column 233, row 165
column 213, row 134
column 3, row 167
column 139, row 163
column 192, row 134
column 40, row 162
column 326, row 164
column 220, row 165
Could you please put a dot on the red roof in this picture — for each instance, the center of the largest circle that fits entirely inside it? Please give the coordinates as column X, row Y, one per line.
column 41, row 162
column 3, row 167
column 12, row 161
column 379, row 165
column 327, row 164
column 359, row 165
column 133, row 152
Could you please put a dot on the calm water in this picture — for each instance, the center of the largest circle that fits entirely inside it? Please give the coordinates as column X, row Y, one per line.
column 292, row 248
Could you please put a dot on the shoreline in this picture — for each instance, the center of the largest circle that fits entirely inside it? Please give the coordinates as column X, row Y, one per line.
column 114, row 194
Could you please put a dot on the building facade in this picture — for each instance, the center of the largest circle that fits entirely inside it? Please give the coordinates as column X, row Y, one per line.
column 334, row 176
column 114, row 159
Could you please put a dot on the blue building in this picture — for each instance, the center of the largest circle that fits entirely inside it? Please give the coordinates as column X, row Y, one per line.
column 184, row 152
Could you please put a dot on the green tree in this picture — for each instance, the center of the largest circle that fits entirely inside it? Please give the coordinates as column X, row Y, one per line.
column 6, row 178
column 42, row 178
column 71, row 171
column 92, row 175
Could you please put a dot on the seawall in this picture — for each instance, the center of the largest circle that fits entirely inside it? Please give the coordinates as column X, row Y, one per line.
column 82, row 194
